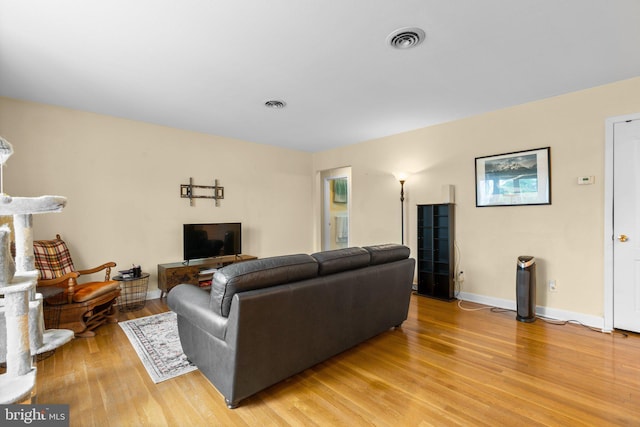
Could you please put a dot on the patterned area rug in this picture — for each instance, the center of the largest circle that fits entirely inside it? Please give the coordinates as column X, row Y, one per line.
column 155, row 339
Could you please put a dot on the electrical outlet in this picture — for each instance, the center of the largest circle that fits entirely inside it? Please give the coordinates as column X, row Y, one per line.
column 460, row 276
column 553, row 287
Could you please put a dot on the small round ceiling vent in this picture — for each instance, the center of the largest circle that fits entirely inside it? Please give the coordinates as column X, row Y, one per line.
column 406, row 38
column 275, row 103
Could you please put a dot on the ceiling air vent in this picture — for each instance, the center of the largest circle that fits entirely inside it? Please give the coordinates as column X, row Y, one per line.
column 274, row 103
column 405, row 38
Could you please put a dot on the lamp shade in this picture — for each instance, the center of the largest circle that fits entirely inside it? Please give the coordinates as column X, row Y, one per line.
column 401, row 176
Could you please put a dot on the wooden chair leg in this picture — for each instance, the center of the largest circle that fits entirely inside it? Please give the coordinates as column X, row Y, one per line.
column 86, row 334
column 112, row 317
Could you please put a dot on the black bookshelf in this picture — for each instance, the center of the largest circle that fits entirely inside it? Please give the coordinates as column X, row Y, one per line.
column 436, row 254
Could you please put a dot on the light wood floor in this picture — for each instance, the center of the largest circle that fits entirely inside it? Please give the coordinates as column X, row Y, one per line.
column 445, row 366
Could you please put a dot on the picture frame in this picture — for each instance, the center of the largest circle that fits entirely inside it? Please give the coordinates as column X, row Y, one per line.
column 339, row 190
column 514, row 179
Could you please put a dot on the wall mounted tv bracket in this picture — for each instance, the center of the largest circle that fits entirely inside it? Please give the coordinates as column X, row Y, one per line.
column 187, row 192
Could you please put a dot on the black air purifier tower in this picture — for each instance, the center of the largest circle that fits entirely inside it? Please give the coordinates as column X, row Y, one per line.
column 526, row 288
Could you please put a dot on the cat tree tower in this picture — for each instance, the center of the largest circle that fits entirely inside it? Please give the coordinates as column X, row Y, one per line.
column 22, row 333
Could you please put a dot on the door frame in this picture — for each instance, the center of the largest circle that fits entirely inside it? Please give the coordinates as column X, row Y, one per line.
column 608, row 217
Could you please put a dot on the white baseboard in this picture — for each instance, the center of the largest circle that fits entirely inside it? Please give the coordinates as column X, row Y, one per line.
column 154, row 294
column 551, row 313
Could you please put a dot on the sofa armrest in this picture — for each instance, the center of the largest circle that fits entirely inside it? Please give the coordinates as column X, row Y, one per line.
column 192, row 303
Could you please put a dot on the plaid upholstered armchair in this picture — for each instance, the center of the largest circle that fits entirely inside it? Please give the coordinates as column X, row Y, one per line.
column 81, row 307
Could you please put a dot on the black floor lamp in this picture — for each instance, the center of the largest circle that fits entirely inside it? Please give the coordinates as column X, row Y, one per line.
column 402, row 178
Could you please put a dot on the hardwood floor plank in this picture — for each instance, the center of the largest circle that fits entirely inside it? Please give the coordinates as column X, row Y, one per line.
column 444, row 366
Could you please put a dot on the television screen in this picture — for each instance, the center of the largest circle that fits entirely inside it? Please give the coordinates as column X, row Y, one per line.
column 211, row 240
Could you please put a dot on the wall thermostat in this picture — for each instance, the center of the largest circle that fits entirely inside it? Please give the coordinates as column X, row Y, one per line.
column 585, row 180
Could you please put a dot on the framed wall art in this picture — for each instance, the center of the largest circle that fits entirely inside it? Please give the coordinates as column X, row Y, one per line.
column 514, row 179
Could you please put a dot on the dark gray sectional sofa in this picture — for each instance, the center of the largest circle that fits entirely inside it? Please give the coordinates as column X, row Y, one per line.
column 268, row 319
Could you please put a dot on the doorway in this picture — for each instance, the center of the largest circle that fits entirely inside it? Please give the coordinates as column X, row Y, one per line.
column 622, row 228
column 336, row 202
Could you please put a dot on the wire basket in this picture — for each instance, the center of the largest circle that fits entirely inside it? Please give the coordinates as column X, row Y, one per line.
column 51, row 315
column 133, row 293
column 52, row 298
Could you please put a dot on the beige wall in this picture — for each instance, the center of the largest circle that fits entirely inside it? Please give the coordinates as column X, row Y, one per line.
column 566, row 237
column 122, row 181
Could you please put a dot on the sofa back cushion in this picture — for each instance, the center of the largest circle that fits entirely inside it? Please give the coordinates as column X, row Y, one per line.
column 382, row 254
column 338, row 260
column 256, row 274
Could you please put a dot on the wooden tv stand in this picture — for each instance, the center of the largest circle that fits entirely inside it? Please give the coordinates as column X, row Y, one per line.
column 175, row 273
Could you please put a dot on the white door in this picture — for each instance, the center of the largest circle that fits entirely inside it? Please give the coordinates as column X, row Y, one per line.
column 626, row 225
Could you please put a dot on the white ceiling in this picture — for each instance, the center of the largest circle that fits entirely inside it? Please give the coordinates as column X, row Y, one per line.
column 209, row 65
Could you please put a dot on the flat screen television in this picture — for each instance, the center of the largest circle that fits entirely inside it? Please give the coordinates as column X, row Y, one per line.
column 211, row 240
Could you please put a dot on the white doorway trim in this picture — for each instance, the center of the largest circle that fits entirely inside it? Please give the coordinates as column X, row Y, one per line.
column 608, row 217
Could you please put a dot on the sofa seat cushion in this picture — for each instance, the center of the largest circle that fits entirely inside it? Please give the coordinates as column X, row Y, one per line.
column 382, row 254
column 335, row 261
column 257, row 274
